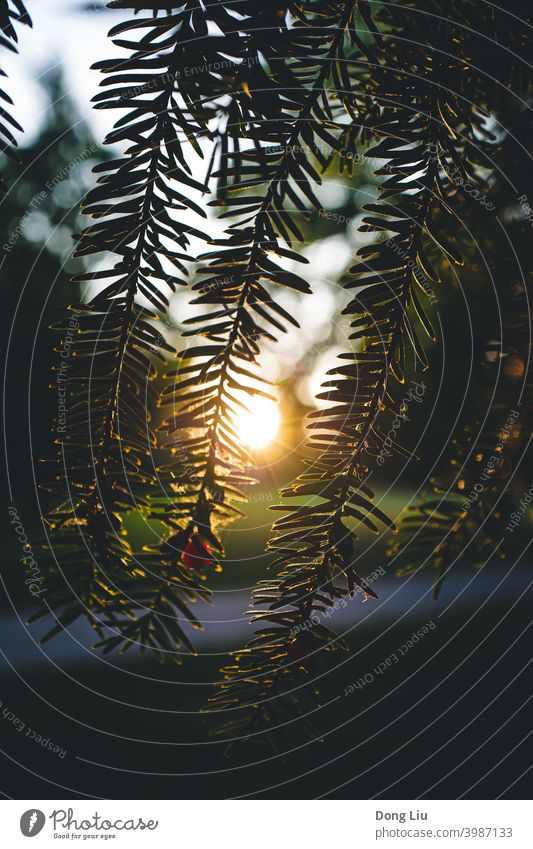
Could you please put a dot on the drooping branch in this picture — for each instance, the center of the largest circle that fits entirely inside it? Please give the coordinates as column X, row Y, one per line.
column 424, row 130
column 107, row 444
column 477, row 500
column 284, row 138
column 12, row 12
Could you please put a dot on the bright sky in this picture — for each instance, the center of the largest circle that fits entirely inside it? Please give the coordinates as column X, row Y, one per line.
column 64, row 37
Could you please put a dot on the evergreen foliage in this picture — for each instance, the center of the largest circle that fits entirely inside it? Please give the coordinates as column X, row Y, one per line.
column 12, row 13
column 265, row 99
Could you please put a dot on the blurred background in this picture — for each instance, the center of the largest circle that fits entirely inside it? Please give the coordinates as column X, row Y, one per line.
column 451, row 718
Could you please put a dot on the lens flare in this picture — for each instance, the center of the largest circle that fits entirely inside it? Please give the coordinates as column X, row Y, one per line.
column 257, row 426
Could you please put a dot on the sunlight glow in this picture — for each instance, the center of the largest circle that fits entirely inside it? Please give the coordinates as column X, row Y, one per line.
column 258, row 427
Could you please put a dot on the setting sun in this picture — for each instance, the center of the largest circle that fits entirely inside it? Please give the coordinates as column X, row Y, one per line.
column 259, row 425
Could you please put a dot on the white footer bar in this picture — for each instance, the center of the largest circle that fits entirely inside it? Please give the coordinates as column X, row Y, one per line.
column 268, row 824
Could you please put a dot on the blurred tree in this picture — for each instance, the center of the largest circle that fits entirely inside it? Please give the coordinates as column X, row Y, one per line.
column 12, row 14
column 282, row 94
column 39, row 214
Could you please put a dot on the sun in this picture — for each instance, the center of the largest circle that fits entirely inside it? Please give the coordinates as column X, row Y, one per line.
column 257, row 426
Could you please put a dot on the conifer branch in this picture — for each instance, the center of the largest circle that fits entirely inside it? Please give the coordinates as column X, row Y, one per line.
column 478, row 497
column 242, row 265
column 11, row 12
column 107, row 453
column 261, row 691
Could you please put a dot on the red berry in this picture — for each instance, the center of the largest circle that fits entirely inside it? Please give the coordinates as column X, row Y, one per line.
column 196, row 554
column 300, row 652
